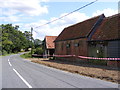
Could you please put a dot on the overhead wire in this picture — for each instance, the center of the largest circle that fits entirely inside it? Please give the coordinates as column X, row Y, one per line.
column 65, row 15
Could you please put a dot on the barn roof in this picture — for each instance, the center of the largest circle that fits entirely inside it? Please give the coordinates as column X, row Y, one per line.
column 109, row 29
column 79, row 30
column 50, row 42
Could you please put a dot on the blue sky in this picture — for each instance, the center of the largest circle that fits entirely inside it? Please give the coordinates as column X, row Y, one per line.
column 33, row 13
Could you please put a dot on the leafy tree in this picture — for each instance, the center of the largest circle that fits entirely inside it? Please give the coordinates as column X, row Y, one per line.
column 37, row 43
column 7, row 45
column 29, row 39
column 12, row 40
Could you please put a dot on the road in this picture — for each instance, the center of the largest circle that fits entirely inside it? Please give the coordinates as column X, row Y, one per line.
column 21, row 73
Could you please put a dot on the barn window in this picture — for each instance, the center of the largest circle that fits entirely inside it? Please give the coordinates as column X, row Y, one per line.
column 76, row 44
column 68, row 45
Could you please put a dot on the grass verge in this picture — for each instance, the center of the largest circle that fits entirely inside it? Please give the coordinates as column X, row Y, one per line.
column 10, row 54
column 26, row 55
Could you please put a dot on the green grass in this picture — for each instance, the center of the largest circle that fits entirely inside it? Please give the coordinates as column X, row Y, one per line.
column 7, row 54
column 10, row 54
column 26, row 55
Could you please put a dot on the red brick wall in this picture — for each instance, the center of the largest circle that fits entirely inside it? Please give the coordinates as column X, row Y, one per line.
column 113, row 63
column 61, row 49
column 82, row 50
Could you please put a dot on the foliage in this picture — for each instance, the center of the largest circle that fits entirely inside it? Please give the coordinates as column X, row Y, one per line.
column 12, row 40
column 37, row 43
column 38, row 51
column 26, row 55
column 4, row 52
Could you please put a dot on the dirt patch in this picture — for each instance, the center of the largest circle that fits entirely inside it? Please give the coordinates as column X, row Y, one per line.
column 94, row 71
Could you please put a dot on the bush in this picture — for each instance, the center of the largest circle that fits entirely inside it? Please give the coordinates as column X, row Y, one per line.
column 0, row 52
column 26, row 55
column 33, row 51
column 4, row 52
column 38, row 51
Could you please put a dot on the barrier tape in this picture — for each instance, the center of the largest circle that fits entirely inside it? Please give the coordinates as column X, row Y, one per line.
column 99, row 58
column 64, row 55
column 83, row 57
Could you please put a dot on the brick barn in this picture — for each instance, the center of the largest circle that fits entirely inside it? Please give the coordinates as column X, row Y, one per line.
column 73, row 39
column 105, row 42
column 48, row 45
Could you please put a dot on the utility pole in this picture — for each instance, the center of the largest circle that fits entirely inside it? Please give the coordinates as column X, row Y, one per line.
column 31, row 40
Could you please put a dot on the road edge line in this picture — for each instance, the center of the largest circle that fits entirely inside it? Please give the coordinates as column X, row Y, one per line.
column 22, row 78
column 10, row 64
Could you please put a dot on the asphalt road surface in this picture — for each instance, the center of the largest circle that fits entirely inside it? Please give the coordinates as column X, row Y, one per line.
column 21, row 73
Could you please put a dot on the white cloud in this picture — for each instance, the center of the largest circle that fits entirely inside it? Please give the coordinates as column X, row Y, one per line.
column 17, row 10
column 107, row 12
column 55, row 28
column 71, row 19
column 9, row 19
column 29, row 7
column 8, row 12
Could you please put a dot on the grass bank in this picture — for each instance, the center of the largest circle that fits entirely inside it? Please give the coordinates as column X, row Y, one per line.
column 10, row 54
column 26, row 55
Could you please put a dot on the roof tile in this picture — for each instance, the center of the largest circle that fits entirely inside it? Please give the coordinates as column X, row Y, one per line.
column 78, row 30
column 50, row 42
column 109, row 29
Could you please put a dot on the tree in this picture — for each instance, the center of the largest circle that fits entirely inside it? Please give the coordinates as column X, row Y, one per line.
column 29, row 39
column 14, row 40
column 7, row 45
column 37, row 43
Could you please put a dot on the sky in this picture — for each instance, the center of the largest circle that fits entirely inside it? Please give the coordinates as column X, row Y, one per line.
column 34, row 13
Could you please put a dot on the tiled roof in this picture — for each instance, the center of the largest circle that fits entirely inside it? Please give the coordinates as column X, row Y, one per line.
column 50, row 42
column 78, row 30
column 109, row 29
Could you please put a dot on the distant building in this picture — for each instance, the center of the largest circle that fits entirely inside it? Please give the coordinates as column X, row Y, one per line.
column 49, row 47
column 73, row 39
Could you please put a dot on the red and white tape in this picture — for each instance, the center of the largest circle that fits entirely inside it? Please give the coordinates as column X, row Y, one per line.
column 99, row 58
column 64, row 55
column 82, row 57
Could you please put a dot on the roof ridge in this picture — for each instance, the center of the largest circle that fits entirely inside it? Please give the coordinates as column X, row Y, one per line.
column 78, row 30
column 95, row 26
column 118, row 14
column 84, row 20
column 108, row 29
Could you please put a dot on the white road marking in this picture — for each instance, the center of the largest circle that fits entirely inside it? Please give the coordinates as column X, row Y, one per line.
column 8, row 60
column 22, row 79
column 10, row 64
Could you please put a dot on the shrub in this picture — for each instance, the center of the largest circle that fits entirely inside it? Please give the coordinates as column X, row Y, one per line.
column 26, row 55
column 4, row 52
column 0, row 52
column 38, row 51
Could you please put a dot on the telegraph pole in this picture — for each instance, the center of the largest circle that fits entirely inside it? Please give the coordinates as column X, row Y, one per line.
column 31, row 40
